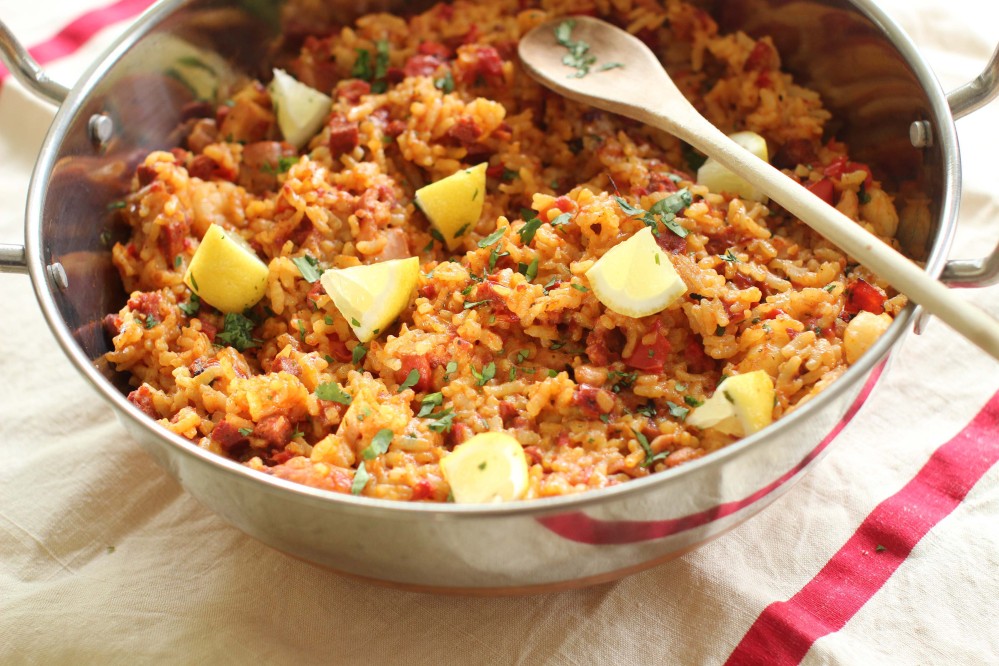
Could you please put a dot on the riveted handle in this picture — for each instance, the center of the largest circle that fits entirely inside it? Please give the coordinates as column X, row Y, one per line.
column 13, row 259
column 964, row 100
column 26, row 70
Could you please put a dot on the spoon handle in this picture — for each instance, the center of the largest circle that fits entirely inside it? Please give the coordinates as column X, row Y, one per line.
column 908, row 278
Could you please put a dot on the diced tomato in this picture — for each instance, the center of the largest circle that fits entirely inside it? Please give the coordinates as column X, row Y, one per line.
column 421, row 364
column 840, row 166
column 422, row 490
column 823, row 189
column 697, row 360
column 861, row 295
column 651, row 357
column 434, row 49
column 585, row 397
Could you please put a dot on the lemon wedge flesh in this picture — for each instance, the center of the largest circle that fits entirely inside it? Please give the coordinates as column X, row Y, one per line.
column 370, row 297
column 225, row 272
column 488, row 468
column 718, row 178
column 453, row 204
column 301, row 110
column 740, row 406
column 635, row 278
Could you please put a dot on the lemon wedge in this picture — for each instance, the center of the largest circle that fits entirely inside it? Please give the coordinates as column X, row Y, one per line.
column 490, row 467
column 453, row 204
column 300, row 109
column 636, row 278
column 370, row 297
column 718, row 178
column 740, row 406
column 225, row 272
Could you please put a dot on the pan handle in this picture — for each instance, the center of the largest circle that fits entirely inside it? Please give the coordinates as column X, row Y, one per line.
column 969, row 98
column 26, row 70
column 28, row 73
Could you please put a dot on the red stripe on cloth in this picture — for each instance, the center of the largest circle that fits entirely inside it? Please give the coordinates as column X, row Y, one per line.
column 786, row 630
column 81, row 30
column 581, row 528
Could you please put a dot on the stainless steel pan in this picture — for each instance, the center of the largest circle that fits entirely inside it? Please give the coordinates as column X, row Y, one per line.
column 889, row 107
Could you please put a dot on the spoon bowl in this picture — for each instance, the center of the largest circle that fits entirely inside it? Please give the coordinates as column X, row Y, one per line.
column 591, row 61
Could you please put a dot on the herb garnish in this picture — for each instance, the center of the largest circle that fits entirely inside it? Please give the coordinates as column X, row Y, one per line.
column 430, row 402
column 411, row 379
column 530, row 228
column 488, row 372
column 649, row 456
column 676, row 411
column 192, row 307
column 308, row 266
column 442, row 421
column 622, row 380
column 358, row 355
column 445, row 83
column 450, row 369
column 237, row 331
column 664, row 211
column 692, row 401
column 493, row 237
column 361, row 477
column 531, row 271
column 331, row 391
column 245, row 432
column 379, row 444
column 579, row 56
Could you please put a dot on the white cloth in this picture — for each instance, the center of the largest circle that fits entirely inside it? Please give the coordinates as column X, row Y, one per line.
column 105, row 559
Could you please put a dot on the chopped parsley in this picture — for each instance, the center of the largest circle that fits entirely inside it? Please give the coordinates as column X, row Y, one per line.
column 663, row 211
column 429, row 403
column 331, row 391
column 692, row 401
column 862, row 195
column 379, row 444
column 562, row 219
column 622, row 380
column 579, row 56
column 492, row 238
column 445, row 83
column 530, row 228
column 648, row 410
column 361, row 477
column 730, row 257
column 411, row 379
column 245, row 432
column 237, row 331
column 676, row 411
column 531, row 271
column 192, row 307
column 308, row 266
column 116, row 205
column 649, row 456
column 283, row 164
column 482, row 376
column 495, row 256
column 579, row 287
column 450, row 369
column 362, row 65
column 474, row 304
column 178, row 261
column 442, row 421
column 358, row 355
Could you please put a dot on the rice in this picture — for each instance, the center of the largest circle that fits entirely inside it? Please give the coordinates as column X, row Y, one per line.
column 539, row 356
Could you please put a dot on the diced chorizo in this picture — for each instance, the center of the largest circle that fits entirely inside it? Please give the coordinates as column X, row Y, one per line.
column 421, row 65
column 275, row 429
column 250, row 118
column 344, row 135
column 142, row 398
column 590, row 401
column 205, row 168
column 145, row 302
column 465, row 131
column 227, row 436
column 863, row 296
column 459, row 433
column 603, row 346
column 352, row 90
column 671, row 242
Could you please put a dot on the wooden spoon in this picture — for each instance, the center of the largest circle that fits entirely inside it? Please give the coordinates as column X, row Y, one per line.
column 618, row 73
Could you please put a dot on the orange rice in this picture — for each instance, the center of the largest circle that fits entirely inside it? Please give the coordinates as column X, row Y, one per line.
column 538, row 357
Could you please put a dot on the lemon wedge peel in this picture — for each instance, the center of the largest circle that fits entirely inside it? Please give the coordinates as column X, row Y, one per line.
column 719, row 178
column 740, row 406
column 225, row 272
column 371, row 296
column 300, row 109
column 488, row 468
column 636, row 278
column 454, row 204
